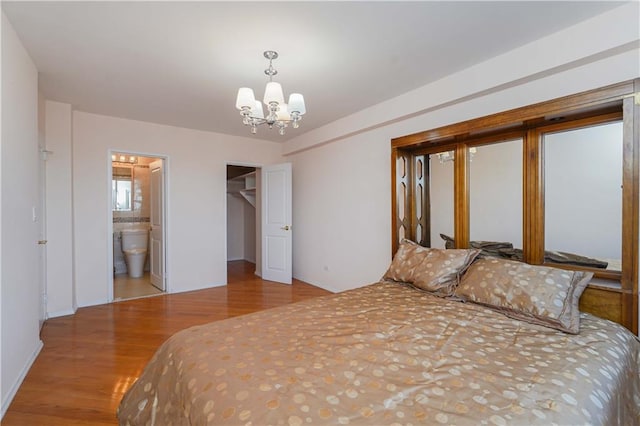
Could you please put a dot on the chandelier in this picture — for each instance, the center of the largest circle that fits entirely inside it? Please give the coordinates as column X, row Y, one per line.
column 280, row 114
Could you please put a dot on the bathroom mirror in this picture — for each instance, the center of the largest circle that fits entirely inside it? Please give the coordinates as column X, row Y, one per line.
column 121, row 189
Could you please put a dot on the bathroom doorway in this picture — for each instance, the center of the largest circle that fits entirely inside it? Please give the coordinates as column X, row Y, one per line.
column 243, row 216
column 138, row 216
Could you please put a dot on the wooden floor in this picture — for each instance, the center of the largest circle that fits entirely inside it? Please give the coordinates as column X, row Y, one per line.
column 91, row 358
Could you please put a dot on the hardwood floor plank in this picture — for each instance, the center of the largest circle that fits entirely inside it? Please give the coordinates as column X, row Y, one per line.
column 91, row 358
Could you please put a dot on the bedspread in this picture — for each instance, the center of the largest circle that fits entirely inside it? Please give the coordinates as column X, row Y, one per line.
column 388, row 354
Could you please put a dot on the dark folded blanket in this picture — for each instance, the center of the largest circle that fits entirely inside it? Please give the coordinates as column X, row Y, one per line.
column 505, row 250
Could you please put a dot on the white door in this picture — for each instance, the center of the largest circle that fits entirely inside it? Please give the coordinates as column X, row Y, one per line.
column 156, row 244
column 276, row 223
column 41, row 216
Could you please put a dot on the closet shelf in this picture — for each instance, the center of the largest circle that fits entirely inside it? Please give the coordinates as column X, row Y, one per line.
column 249, row 195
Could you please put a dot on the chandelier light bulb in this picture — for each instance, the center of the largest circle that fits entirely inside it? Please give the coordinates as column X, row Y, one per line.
column 257, row 110
column 296, row 103
column 273, row 93
column 279, row 114
column 245, row 98
column 283, row 113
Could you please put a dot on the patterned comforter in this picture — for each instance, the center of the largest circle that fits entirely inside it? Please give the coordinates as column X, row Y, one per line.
column 388, row 354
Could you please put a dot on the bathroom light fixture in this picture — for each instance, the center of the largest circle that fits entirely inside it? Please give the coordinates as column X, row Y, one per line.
column 119, row 158
column 280, row 114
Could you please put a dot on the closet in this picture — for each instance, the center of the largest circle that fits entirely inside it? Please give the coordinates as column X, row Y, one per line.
column 242, row 215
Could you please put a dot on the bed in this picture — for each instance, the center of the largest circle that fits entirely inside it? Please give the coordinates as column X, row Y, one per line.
column 426, row 345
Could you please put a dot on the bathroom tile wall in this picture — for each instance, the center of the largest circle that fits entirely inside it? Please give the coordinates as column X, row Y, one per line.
column 141, row 191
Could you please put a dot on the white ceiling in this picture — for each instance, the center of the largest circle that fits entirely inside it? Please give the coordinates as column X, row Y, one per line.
column 181, row 63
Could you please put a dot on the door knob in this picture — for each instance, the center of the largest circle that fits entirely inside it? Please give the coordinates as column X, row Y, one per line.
column 286, row 227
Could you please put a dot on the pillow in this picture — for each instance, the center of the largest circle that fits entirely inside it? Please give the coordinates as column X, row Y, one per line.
column 434, row 270
column 536, row 294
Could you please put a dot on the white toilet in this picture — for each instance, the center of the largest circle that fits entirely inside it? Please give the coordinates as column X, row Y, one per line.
column 134, row 246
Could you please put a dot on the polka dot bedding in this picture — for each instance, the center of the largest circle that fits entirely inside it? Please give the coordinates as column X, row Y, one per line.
column 388, row 354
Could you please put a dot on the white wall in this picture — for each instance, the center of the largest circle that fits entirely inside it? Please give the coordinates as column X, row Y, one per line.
column 342, row 212
column 20, row 270
column 196, row 198
column 342, row 189
column 60, row 297
column 610, row 39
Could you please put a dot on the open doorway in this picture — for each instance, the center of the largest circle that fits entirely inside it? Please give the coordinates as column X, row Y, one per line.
column 138, row 216
column 243, row 219
column 265, row 235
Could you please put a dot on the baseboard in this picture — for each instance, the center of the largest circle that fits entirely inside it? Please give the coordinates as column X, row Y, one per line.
column 62, row 313
column 14, row 389
column 203, row 287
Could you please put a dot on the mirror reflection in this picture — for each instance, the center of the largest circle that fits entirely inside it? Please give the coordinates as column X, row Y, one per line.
column 495, row 198
column 583, row 175
column 121, row 188
column 441, row 197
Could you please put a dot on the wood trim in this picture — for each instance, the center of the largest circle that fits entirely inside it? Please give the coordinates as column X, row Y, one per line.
column 411, row 188
column 597, row 273
column 434, row 149
column 426, row 213
column 419, row 188
column 518, row 115
column 461, row 196
column 396, row 182
column 394, row 201
column 495, row 138
column 603, row 302
column 533, row 199
column 615, row 102
column 630, row 195
column 583, row 122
